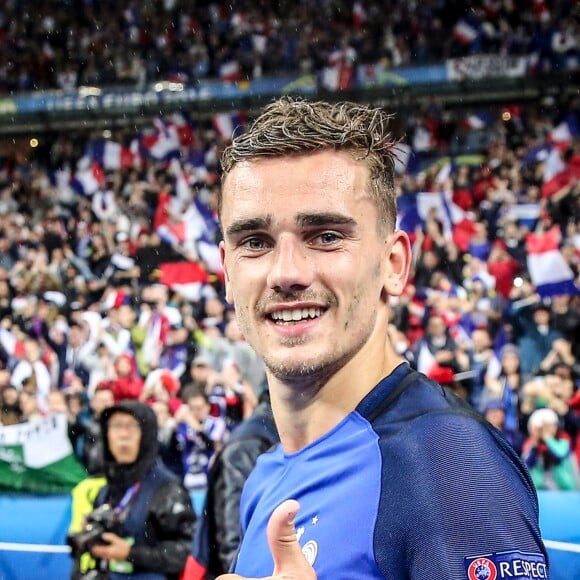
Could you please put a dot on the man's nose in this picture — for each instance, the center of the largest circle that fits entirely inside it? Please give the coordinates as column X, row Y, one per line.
column 291, row 267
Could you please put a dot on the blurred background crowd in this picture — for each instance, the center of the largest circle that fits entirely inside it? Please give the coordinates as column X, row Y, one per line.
column 68, row 43
column 110, row 284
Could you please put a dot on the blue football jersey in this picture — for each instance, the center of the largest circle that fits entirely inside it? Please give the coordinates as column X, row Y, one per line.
column 413, row 484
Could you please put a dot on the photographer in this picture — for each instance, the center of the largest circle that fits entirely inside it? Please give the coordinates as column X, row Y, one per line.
column 142, row 524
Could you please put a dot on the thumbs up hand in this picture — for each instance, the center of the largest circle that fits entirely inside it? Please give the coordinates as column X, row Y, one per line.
column 289, row 562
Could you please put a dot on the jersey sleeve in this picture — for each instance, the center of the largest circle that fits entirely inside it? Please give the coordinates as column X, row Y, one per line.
column 456, row 503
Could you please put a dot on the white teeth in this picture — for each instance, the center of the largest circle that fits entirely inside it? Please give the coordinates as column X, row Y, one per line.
column 296, row 314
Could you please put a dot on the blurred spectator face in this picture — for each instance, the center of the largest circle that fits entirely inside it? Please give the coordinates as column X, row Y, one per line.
column 4, row 289
column 126, row 316
column 155, row 293
column 162, row 412
column 76, row 335
column 28, row 404
column 511, row 231
column 4, row 244
column 31, row 351
column 124, row 437
column 102, row 399
column 436, row 326
column 481, row 340
column 233, row 331
column 56, row 402
column 430, row 259
column 199, row 407
column 4, row 377
column 9, row 395
column 542, row 317
column 563, row 371
column 75, row 404
column 231, row 373
column 510, row 362
column 496, row 417
column 560, row 388
column 214, row 308
column 200, row 371
column 561, row 303
column 123, row 366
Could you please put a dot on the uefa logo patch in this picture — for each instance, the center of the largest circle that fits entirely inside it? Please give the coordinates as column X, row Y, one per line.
column 482, row 569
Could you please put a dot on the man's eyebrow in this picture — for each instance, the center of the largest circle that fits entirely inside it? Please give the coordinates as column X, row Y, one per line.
column 248, row 225
column 324, row 219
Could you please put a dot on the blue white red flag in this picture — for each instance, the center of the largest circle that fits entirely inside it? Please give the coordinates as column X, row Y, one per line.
column 229, row 124
column 559, row 172
column 549, row 272
column 414, row 209
column 465, row 32
column 111, row 155
column 163, row 144
column 88, row 178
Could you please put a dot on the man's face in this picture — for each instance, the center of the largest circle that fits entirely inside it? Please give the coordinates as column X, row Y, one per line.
column 304, row 262
column 542, row 317
column 436, row 326
column 124, row 437
column 102, row 399
column 199, row 407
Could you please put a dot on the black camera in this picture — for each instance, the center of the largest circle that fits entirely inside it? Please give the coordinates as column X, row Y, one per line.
column 100, row 520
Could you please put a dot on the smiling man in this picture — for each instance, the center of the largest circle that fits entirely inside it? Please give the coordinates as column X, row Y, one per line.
column 393, row 476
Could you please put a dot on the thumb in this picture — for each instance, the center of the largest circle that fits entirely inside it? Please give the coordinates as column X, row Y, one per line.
column 289, row 562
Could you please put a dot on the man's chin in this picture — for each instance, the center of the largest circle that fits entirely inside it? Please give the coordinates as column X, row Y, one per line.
column 295, row 368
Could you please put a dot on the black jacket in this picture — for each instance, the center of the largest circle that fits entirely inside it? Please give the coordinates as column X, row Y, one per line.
column 160, row 516
column 218, row 533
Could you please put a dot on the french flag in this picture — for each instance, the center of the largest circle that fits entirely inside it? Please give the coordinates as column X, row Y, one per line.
column 13, row 346
column 230, row 72
column 465, row 32
column 111, row 155
column 558, row 172
column 88, row 180
column 413, row 210
column 477, row 121
column 228, row 125
column 562, row 135
column 164, row 143
column 548, row 270
column 184, row 126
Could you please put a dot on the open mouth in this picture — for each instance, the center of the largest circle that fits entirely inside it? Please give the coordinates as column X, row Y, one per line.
column 295, row 315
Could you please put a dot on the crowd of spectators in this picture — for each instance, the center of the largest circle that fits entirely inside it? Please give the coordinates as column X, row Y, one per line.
column 86, row 320
column 87, row 317
column 69, row 43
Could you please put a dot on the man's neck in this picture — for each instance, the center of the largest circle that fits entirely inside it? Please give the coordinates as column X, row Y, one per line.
column 306, row 411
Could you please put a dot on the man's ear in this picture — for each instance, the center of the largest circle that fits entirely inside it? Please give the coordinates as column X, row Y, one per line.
column 398, row 257
column 229, row 297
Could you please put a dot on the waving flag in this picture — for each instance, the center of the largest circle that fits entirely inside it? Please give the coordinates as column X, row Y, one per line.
column 111, row 155
column 37, row 457
column 465, row 32
column 229, row 124
column 88, row 179
column 414, row 209
column 548, row 270
column 164, row 143
column 185, row 278
column 559, row 172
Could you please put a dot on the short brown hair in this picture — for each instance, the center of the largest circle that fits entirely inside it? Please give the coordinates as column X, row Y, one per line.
column 291, row 126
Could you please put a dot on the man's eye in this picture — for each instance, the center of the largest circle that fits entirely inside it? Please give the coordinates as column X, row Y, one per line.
column 327, row 238
column 253, row 244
